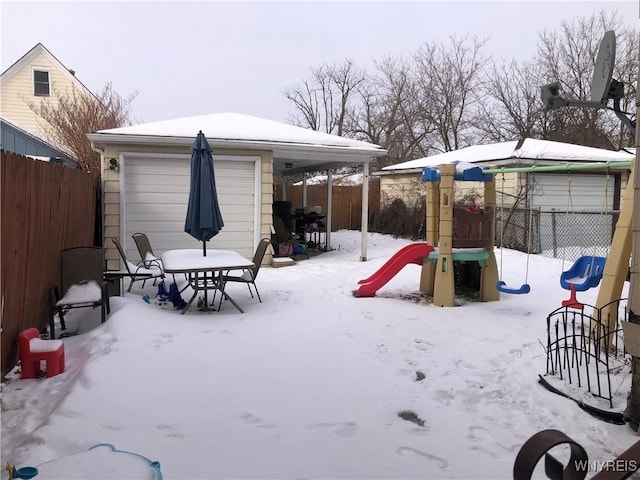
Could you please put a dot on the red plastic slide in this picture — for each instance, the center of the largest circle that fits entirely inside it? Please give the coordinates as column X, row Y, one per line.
column 413, row 253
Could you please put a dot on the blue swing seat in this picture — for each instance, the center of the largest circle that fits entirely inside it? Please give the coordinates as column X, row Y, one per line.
column 524, row 288
column 584, row 274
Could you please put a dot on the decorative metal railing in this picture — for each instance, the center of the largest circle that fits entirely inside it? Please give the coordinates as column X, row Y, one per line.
column 585, row 348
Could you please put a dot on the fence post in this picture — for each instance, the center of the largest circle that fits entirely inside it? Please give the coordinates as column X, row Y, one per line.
column 553, row 233
column 539, row 246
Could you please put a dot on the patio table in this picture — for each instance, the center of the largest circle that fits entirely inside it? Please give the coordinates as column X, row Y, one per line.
column 204, row 273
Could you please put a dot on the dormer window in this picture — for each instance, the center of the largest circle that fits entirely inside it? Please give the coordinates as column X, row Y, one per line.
column 41, row 83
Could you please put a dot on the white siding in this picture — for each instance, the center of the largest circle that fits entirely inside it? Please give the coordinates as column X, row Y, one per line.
column 17, row 93
column 156, row 191
column 587, row 191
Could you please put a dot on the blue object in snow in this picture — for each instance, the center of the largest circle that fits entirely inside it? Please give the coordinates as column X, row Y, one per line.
column 155, row 465
column 24, row 472
column 163, row 295
column 175, row 297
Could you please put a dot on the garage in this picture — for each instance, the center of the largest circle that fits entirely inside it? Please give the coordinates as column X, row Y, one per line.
column 146, row 177
column 156, row 191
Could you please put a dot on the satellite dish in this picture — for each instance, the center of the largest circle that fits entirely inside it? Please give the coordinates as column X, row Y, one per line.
column 603, row 69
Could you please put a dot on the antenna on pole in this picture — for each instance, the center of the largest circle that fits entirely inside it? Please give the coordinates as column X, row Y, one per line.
column 603, row 68
column 603, row 86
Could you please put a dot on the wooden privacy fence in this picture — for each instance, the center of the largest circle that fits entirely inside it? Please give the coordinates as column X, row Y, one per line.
column 45, row 208
column 347, row 202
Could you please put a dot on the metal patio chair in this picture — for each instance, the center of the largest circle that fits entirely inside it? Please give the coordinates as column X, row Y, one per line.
column 82, row 283
column 148, row 258
column 144, row 248
column 138, row 272
column 248, row 275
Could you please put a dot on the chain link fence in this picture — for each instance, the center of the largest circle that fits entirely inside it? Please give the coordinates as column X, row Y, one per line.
column 556, row 233
column 552, row 233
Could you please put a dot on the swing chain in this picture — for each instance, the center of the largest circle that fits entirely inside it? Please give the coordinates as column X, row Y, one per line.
column 501, row 285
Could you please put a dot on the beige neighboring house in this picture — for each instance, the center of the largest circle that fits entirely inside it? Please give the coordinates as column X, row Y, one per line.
column 36, row 77
column 550, row 190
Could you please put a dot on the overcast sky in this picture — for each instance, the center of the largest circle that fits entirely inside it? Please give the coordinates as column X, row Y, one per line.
column 196, row 58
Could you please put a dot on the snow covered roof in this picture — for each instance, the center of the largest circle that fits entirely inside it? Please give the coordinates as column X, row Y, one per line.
column 345, row 179
column 235, row 126
column 529, row 149
column 295, row 149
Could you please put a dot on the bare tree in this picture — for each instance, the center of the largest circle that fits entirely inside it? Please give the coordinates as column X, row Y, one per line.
column 446, row 95
column 625, row 70
column 386, row 115
column 325, row 101
column 512, row 108
column 306, row 103
column 77, row 114
column 447, row 81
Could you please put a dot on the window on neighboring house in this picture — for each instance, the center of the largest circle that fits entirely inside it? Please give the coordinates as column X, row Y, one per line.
column 41, row 83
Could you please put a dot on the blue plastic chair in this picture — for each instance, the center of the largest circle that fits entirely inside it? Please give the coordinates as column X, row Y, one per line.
column 584, row 274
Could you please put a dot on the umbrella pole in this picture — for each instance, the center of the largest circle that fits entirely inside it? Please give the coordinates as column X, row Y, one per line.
column 204, row 249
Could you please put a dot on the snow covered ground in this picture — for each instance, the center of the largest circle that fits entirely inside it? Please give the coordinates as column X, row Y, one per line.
column 310, row 383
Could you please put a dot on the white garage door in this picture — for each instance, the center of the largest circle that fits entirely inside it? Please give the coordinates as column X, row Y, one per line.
column 587, row 191
column 156, row 191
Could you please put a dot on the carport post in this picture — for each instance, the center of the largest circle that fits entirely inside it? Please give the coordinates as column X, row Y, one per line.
column 304, row 189
column 365, row 211
column 327, row 234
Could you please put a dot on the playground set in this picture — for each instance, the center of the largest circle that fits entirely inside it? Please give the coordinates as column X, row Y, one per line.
column 583, row 347
column 454, row 234
column 459, row 234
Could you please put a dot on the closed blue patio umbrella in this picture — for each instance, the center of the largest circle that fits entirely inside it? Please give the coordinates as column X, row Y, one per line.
column 204, row 219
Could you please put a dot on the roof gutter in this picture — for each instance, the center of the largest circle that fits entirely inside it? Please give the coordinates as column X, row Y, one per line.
column 101, row 139
column 519, row 162
column 97, row 148
column 380, row 173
